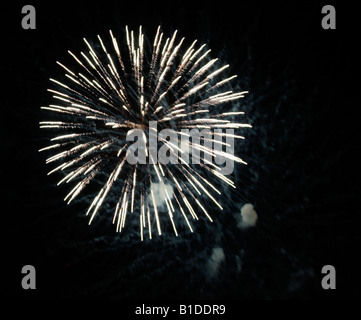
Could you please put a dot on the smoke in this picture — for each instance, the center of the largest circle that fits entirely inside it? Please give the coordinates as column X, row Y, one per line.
column 159, row 191
column 248, row 217
column 215, row 261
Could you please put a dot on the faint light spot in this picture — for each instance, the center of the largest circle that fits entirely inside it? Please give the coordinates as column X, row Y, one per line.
column 248, row 217
column 215, row 261
column 159, row 191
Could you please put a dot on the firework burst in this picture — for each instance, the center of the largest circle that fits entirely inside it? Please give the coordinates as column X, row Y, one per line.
column 117, row 92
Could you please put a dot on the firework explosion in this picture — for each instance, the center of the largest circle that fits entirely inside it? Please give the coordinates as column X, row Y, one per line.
column 116, row 93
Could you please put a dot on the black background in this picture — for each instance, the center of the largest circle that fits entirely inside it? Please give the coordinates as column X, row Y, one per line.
column 302, row 177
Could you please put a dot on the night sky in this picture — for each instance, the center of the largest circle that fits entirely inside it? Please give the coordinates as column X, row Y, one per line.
column 302, row 175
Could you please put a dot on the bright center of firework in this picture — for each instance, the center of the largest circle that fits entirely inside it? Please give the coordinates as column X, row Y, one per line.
column 114, row 91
